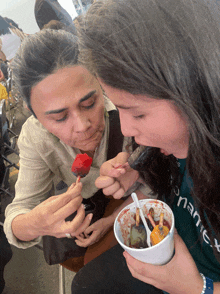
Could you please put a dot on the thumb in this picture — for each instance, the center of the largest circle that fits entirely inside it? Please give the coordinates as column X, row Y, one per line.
column 121, row 159
column 116, row 166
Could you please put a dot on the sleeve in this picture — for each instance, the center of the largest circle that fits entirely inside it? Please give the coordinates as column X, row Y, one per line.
column 33, row 186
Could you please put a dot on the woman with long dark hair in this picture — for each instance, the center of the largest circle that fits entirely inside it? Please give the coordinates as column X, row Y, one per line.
column 158, row 62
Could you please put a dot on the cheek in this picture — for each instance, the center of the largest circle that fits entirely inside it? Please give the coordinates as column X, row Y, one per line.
column 98, row 116
column 61, row 131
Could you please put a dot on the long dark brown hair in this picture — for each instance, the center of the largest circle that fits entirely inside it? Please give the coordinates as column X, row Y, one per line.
column 166, row 49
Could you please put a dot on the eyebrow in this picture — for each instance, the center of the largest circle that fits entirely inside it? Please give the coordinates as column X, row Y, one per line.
column 125, row 107
column 86, row 97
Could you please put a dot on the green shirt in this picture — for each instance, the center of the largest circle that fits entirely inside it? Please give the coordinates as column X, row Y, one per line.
column 193, row 233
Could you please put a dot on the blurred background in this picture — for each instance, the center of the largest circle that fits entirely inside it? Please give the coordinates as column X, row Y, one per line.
column 22, row 11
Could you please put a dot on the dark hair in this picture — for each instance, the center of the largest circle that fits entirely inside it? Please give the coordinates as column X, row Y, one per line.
column 40, row 55
column 167, row 50
column 55, row 25
column 58, row 25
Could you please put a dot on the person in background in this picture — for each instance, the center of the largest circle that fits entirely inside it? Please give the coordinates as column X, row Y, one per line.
column 70, row 116
column 12, row 23
column 14, row 28
column 47, row 10
column 3, row 70
column 5, row 249
column 3, row 91
column 10, row 40
column 158, row 62
column 5, row 254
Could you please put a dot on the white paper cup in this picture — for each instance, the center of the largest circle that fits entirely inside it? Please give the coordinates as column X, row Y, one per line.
column 158, row 254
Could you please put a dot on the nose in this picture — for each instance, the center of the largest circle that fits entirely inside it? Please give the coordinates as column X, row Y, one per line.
column 81, row 123
column 127, row 126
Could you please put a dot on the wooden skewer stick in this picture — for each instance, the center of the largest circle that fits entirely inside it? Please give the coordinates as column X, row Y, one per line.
column 137, row 217
column 151, row 220
column 161, row 223
column 151, row 211
column 125, row 165
column 78, row 179
column 161, row 220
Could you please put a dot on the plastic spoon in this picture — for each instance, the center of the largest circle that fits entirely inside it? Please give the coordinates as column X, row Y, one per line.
column 137, row 205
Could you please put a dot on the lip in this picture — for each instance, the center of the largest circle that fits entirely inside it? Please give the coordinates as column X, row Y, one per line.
column 90, row 139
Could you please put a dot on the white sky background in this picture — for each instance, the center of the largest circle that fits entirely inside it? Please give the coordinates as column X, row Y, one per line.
column 22, row 12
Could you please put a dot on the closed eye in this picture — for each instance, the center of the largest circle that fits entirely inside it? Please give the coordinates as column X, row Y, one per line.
column 89, row 103
column 89, row 106
column 62, row 119
column 139, row 116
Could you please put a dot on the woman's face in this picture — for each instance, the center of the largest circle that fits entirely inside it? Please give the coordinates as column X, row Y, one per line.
column 70, row 105
column 152, row 122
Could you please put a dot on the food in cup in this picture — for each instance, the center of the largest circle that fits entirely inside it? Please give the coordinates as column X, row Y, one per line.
column 159, row 232
column 158, row 254
column 137, row 239
column 138, row 234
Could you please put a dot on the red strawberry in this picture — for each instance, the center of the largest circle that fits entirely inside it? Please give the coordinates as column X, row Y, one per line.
column 81, row 165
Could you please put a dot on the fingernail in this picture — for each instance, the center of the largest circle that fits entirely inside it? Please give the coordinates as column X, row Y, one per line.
column 90, row 216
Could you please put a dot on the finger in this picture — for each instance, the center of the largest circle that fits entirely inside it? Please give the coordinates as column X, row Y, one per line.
column 124, row 166
column 80, row 238
column 104, row 181
column 81, row 243
column 117, row 172
column 140, row 277
column 88, row 231
column 112, row 189
column 119, row 194
column 140, row 268
column 120, row 159
column 87, row 235
column 83, row 226
column 62, row 199
column 71, row 186
column 73, row 226
column 68, row 209
column 87, row 242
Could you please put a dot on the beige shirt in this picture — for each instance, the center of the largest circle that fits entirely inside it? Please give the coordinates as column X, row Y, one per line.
column 44, row 161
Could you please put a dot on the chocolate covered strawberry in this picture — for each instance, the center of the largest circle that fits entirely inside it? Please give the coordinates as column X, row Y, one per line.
column 81, row 165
